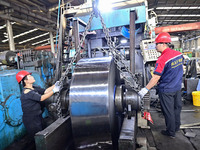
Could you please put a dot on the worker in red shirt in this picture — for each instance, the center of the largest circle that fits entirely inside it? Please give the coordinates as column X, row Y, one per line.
column 168, row 74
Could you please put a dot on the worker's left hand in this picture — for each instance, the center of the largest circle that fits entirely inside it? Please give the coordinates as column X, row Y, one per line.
column 143, row 92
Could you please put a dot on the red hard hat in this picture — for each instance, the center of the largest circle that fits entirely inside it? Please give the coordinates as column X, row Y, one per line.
column 20, row 75
column 163, row 37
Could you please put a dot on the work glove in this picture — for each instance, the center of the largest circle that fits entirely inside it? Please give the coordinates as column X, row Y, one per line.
column 57, row 87
column 57, row 83
column 143, row 92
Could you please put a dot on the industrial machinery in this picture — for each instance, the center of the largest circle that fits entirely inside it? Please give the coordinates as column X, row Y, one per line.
column 11, row 126
column 99, row 102
column 98, row 105
column 36, row 62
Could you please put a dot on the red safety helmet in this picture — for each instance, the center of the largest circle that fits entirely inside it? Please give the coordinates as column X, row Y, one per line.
column 163, row 37
column 20, row 75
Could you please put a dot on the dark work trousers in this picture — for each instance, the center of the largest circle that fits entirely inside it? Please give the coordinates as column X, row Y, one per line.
column 171, row 106
column 33, row 124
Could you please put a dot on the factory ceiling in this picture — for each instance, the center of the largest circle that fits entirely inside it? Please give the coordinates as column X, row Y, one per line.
column 175, row 12
column 33, row 20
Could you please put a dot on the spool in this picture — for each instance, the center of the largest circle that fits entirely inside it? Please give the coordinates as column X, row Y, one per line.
column 91, row 100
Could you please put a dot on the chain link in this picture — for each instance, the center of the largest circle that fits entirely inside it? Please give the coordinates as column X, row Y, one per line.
column 58, row 102
column 119, row 59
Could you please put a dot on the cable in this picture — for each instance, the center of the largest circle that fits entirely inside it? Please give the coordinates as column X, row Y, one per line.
column 58, row 20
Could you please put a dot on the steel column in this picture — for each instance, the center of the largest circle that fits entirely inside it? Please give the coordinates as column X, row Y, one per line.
column 10, row 36
column 52, row 42
column 127, row 136
column 196, row 44
column 76, row 36
column 190, row 45
column 60, row 48
column 132, row 41
column 89, row 48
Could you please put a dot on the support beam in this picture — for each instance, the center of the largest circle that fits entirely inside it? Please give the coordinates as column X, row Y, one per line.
column 59, row 51
column 4, row 3
column 10, row 36
column 127, row 138
column 29, row 13
column 118, row 5
column 196, row 44
column 52, row 42
column 7, row 17
column 178, row 28
column 76, row 36
column 89, row 48
column 132, row 40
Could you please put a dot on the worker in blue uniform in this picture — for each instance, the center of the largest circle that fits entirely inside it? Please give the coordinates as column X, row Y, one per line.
column 168, row 74
column 30, row 101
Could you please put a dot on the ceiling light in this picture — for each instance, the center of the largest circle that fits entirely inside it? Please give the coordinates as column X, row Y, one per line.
column 105, row 6
column 42, row 41
column 33, row 38
column 175, row 39
column 21, row 34
column 3, row 26
column 123, row 41
column 46, row 43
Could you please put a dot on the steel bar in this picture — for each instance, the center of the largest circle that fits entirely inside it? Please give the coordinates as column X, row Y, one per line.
column 178, row 28
column 56, row 136
column 127, row 140
column 132, row 41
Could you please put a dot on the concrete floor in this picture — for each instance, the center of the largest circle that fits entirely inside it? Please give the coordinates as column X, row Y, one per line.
column 152, row 139
column 186, row 139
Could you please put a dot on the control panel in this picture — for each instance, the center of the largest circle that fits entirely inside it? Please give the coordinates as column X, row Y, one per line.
column 149, row 51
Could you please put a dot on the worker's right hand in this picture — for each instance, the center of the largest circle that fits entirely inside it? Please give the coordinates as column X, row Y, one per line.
column 143, row 92
column 56, row 88
column 57, row 83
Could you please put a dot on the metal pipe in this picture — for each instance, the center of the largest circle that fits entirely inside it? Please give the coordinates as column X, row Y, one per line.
column 76, row 36
column 178, row 28
column 60, row 48
column 89, row 48
column 10, row 36
column 132, row 41
column 44, row 47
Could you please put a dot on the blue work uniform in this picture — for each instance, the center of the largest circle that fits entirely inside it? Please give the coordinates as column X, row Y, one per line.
column 170, row 67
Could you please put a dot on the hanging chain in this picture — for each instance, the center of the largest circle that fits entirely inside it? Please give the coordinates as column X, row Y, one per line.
column 78, row 49
column 58, row 102
column 119, row 59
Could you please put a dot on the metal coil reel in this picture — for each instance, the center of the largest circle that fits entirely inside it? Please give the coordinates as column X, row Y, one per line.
column 91, row 99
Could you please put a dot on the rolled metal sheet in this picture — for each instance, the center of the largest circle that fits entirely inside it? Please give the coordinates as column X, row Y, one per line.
column 91, row 100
